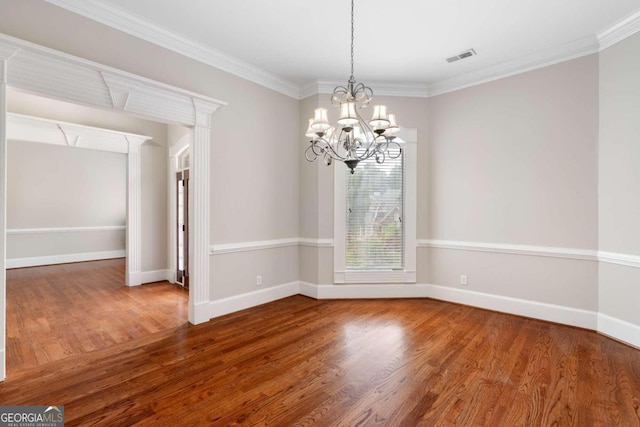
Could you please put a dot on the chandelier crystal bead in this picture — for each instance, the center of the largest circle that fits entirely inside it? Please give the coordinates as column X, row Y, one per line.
column 353, row 139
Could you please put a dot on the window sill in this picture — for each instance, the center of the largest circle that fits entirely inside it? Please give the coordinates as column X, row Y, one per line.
column 375, row 276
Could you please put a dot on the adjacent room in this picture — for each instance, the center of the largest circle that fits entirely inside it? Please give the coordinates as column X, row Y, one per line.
column 350, row 213
column 68, row 190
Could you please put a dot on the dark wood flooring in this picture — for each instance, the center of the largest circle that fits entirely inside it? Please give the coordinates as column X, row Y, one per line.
column 301, row 362
column 58, row 311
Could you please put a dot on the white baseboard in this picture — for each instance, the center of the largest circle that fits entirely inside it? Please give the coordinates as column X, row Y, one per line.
column 199, row 313
column 240, row 302
column 521, row 307
column 155, row 276
column 537, row 310
column 619, row 329
column 588, row 319
column 63, row 259
column 308, row 290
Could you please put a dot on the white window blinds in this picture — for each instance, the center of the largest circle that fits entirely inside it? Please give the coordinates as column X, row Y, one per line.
column 375, row 233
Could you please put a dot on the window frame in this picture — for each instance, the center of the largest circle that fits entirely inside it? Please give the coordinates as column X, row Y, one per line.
column 409, row 201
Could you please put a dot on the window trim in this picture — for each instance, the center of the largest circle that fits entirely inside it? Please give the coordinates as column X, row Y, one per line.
column 408, row 275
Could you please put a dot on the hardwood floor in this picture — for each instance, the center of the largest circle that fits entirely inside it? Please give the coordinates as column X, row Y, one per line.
column 301, row 362
column 58, row 311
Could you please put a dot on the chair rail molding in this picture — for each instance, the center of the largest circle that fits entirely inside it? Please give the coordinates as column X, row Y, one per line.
column 229, row 248
column 546, row 251
column 52, row 230
column 46, row 72
column 619, row 259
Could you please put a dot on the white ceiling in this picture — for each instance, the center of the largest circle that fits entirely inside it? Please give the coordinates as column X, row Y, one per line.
column 400, row 41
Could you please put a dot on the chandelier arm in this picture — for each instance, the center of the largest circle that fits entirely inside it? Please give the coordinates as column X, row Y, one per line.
column 327, row 159
column 369, row 138
column 340, row 95
column 316, row 148
column 328, row 149
column 311, row 150
column 391, row 156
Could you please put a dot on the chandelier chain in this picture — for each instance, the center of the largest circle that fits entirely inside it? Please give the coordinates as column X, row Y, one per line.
column 352, row 7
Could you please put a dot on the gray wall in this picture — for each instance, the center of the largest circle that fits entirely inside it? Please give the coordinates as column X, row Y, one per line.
column 619, row 177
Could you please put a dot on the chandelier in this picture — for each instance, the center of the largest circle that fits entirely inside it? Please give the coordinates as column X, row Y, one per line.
column 353, row 139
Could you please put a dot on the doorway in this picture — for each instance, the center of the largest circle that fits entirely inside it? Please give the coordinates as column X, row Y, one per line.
column 182, row 228
column 46, row 72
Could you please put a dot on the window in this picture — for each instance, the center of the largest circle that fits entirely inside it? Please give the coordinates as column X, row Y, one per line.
column 374, row 216
column 375, row 219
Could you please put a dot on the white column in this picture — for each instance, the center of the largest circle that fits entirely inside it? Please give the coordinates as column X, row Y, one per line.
column 134, row 214
column 5, row 54
column 199, row 213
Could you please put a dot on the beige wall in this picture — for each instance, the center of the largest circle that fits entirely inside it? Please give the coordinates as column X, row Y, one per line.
column 508, row 162
column 255, row 153
column 56, row 186
column 50, row 186
column 515, row 160
column 88, row 178
column 619, row 177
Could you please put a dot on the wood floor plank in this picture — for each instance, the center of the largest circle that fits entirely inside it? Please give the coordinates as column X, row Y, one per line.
column 301, row 362
column 58, row 311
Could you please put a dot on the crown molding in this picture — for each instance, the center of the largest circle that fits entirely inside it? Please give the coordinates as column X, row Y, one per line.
column 544, row 58
column 415, row 90
column 143, row 29
column 555, row 55
column 620, row 30
column 139, row 27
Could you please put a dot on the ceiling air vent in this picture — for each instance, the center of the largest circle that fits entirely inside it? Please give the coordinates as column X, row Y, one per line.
column 463, row 55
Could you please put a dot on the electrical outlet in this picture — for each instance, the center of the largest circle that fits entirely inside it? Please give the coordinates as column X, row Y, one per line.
column 258, row 280
column 463, row 280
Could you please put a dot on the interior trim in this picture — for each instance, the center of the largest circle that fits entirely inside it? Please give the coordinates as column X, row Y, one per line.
column 136, row 26
column 46, row 131
column 229, row 248
column 544, row 251
column 620, row 30
column 14, row 231
column 316, row 243
column 547, row 251
column 139, row 27
column 63, row 259
column 554, row 55
column 617, row 329
column 619, row 259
